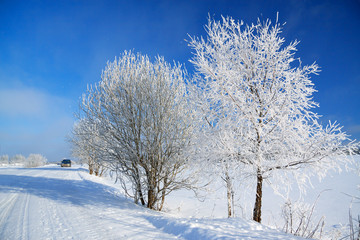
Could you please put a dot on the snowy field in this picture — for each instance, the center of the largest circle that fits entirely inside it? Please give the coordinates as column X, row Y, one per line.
column 67, row 203
column 332, row 197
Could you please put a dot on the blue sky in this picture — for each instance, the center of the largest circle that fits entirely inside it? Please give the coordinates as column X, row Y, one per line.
column 51, row 50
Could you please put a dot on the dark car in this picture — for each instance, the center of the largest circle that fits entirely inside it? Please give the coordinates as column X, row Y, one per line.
column 66, row 163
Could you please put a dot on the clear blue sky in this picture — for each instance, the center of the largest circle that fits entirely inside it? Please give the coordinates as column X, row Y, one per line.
column 51, row 50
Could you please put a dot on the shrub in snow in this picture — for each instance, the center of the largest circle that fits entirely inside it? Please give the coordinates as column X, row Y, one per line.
column 300, row 220
column 4, row 160
column 18, row 159
column 35, row 160
column 354, row 223
column 88, row 147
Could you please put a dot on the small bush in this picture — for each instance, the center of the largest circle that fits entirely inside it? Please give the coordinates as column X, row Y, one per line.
column 17, row 160
column 299, row 220
column 35, row 160
column 4, row 160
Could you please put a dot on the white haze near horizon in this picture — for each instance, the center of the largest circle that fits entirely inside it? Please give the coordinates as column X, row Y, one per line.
column 34, row 121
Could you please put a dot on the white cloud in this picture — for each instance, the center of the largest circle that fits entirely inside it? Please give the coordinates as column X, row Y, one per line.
column 23, row 102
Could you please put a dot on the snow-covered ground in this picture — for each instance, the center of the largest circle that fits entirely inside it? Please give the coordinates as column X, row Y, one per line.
column 333, row 198
column 67, row 203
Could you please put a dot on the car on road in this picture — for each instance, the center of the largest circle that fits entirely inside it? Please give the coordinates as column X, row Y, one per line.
column 65, row 163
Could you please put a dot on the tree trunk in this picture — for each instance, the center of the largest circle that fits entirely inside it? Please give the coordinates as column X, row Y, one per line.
column 151, row 198
column 101, row 171
column 162, row 201
column 140, row 194
column 151, row 190
column 229, row 193
column 257, row 207
column 163, row 194
column 137, row 181
column 97, row 171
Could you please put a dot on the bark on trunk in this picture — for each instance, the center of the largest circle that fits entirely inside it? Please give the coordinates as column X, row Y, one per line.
column 141, row 197
column 151, row 198
column 163, row 194
column 162, row 202
column 137, row 180
column 229, row 203
column 151, row 190
column 257, row 207
column 140, row 194
column 229, row 194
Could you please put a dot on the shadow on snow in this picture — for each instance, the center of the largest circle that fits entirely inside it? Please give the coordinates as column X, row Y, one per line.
column 77, row 192
column 56, row 168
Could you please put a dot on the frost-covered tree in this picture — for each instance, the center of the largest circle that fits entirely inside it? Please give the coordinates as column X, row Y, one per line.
column 88, row 147
column 144, row 122
column 257, row 100
column 4, row 159
column 18, row 159
column 213, row 160
column 35, row 160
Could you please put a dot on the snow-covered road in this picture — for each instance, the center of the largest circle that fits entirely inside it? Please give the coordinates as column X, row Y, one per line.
column 58, row 203
column 67, row 203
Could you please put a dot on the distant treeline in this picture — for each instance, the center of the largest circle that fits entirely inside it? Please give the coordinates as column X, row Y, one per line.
column 33, row 160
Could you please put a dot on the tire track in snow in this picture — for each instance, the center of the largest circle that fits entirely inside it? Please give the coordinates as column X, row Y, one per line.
column 79, row 224
column 23, row 218
column 56, row 223
column 6, row 207
column 64, row 221
column 46, row 222
column 26, row 225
